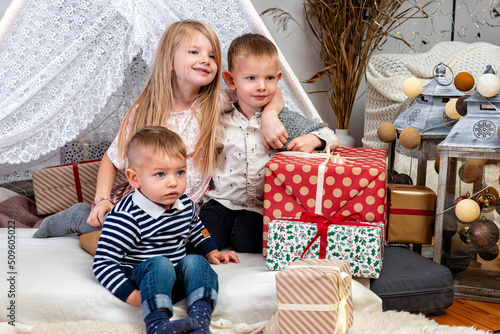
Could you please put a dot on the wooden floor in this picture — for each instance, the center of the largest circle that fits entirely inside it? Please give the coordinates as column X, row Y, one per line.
column 482, row 315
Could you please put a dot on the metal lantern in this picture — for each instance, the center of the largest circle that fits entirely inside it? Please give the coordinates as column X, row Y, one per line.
column 472, row 147
column 428, row 115
column 478, row 128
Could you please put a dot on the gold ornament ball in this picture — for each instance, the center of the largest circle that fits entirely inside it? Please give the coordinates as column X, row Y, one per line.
column 464, row 81
column 492, row 191
column 476, row 161
column 488, row 85
column 469, row 173
column 486, row 200
column 436, row 165
column 386, row 132
column 412, row 87
column 451, row 109
column 467, row 210
column 409, row 138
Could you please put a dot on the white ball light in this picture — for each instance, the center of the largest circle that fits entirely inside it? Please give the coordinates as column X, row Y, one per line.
column 488, row 85
column 412, row 87
column 467, row 210
column 451, row 109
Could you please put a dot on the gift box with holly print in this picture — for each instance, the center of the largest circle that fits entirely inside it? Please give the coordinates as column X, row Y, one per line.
column 351, row 180
column 315, row 237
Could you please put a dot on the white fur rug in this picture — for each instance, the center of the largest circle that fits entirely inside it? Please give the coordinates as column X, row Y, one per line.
column 365, row 323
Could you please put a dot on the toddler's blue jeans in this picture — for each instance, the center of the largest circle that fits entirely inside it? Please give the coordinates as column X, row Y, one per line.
column 162, row 284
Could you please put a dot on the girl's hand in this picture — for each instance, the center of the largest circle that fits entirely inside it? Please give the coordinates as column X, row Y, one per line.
column 274, row 135
column 96, row 217
column 306, row 143
column 216, row 257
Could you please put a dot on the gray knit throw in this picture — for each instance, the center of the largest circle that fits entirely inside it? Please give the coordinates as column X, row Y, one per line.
column 297, row 124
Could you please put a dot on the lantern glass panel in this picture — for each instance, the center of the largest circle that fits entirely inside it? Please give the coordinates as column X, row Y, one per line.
column 467, row 241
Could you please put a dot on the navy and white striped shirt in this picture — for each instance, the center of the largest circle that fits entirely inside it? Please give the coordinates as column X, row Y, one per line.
column 138, row 229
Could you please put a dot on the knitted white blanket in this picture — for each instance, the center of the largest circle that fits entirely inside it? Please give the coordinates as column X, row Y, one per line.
column 386, row 73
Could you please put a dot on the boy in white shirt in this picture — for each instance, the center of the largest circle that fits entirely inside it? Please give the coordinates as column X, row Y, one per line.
column 233, row 207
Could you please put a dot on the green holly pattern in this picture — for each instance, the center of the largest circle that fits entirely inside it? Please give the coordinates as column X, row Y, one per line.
column 360, row 245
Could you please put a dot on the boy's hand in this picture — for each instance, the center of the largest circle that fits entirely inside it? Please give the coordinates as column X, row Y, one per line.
column 274, row 135
column 305, row 143
column 216, row 257
column 134, row 298
column 333, row 145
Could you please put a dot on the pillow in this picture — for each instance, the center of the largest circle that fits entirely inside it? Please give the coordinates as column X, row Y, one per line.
column 6, row 194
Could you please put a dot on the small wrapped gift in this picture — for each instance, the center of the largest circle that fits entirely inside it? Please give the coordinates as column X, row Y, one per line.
column 81, row 151
column 60, row 187
column 411, row 214
column 352, row 180
column 315, row 237
column 314, row 296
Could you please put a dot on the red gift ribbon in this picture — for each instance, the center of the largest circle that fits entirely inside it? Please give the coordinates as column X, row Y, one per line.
column 323, row 223
column 78, row 184
column 76, row 175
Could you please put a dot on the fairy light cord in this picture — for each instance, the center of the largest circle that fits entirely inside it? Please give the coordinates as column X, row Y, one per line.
column 437, row 126
column 491, row 104
column 477, row 192
column 458, row 18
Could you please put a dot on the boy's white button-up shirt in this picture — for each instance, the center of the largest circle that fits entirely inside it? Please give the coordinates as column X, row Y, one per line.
column 238, row 180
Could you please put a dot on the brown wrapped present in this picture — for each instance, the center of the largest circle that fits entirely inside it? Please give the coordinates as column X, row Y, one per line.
column 411, row 213
column 314, row 296
column 60, row 187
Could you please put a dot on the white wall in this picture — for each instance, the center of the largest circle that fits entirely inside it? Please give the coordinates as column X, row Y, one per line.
column 305, row 62
column 3, row 6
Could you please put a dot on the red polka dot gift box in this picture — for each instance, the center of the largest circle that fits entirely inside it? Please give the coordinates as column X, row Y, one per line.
column 348, row 181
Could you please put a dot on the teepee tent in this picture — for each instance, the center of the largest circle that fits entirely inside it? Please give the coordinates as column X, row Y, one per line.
column 69, row 70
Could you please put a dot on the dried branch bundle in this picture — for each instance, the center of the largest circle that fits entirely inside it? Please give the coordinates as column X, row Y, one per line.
column 348, row 32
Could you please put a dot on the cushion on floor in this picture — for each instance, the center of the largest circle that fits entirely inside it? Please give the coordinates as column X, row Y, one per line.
column 410, row 282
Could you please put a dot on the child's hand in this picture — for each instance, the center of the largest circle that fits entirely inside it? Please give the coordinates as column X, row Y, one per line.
column 216, row 257
column 333, row 145
column 96, row 217
column 273, row 132
column 134, row 298
column 305, row 143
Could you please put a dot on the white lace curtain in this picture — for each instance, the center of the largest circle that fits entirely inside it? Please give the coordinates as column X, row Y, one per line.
column 69, row 69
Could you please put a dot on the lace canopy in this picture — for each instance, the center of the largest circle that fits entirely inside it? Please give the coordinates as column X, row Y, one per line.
column 70, row 69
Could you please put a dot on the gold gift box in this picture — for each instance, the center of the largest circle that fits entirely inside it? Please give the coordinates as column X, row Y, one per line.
column 411, row 213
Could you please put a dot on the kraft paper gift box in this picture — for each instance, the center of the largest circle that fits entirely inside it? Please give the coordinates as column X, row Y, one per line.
column 351, row 180
column 315, row 296
column 76, row 151
column 315, row 237
column 411, row 214
column 60, row 187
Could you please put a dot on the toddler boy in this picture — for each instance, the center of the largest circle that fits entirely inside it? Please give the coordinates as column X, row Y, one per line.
column 141, row 255
column 233, row 207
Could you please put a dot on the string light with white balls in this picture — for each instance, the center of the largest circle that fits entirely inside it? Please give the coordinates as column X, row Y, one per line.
column 467, row 209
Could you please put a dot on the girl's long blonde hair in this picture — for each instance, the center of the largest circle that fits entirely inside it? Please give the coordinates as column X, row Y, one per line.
column 156, row 100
